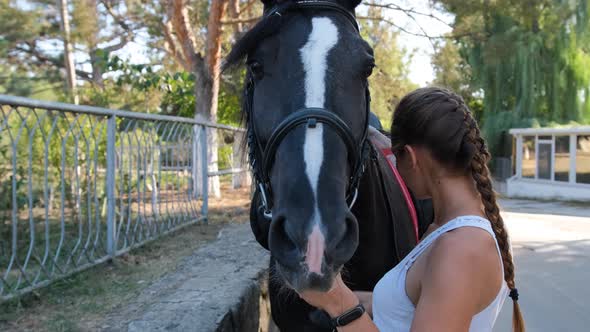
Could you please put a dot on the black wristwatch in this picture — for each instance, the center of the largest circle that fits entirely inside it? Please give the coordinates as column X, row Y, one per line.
column 322, row 319
column 349, row 316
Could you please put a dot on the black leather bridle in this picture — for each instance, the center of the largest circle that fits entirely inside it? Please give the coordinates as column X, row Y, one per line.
column 262, row 156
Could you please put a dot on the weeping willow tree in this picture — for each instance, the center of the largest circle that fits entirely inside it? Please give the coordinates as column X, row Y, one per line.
column 530, row 59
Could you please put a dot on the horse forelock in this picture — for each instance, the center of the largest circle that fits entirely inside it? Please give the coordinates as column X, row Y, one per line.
column 267, row 26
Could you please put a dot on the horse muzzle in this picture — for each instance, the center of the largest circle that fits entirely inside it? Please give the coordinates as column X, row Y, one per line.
column 312, row 259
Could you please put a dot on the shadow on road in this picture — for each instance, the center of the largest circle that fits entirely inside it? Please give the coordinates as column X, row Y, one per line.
column 571, row 209
column 553, row 281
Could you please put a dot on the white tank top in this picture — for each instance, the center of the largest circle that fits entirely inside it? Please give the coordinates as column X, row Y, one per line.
column 392, row 308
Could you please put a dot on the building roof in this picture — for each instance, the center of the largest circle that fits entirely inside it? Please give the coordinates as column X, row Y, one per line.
column 577, row 130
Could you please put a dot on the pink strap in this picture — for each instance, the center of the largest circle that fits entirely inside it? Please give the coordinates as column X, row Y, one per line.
column 387, row 153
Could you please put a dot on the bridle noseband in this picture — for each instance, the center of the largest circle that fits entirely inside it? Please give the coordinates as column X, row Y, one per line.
column 357, row 152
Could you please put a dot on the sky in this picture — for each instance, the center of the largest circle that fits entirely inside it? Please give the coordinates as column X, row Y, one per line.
column 420, row 72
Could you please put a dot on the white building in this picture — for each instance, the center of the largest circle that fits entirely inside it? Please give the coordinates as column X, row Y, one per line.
column 551, row 163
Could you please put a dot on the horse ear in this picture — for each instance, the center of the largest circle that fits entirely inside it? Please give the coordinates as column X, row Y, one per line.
column 350, row 4
column 268, row 4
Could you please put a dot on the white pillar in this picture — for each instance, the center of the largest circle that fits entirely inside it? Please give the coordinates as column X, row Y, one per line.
column 518, row 156
column 552, row 158
column 573, row 143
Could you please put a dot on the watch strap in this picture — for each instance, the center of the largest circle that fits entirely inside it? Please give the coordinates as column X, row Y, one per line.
column 349, row 316
column 323, row 319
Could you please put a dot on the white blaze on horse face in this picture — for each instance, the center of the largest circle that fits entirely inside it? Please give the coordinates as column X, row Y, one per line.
column 314, row 55
column 313, row 153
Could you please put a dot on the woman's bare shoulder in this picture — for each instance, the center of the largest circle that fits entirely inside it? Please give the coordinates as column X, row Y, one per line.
column 465, row 257
column 465, row 244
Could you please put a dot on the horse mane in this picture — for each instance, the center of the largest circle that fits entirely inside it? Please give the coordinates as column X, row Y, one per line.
column 267, row 26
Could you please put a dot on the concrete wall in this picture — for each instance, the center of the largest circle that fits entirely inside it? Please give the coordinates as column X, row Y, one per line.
column 251, row 312
column 539, row 189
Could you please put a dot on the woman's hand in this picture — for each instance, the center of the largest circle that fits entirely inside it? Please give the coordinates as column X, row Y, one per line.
column 378, row 139
column 335, row 302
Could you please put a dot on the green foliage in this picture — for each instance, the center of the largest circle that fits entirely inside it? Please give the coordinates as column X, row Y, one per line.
column 225, row 157
column 529, row 59
column 17, row 25
column 389, row 82
column 230, row 98
column 453, row 72
column 171, row 93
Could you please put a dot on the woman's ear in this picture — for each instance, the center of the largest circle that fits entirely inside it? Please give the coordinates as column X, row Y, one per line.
column 412, row 154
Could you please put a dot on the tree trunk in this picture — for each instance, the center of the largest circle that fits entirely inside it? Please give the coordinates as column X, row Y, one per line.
column 234, row 11
column 207, row 94
column 206, row 69
column 68, row 50
column 96, row 63
column 95, row 60
column 206, row 110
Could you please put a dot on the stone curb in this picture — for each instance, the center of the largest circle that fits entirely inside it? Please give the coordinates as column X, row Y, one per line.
column 220, row 288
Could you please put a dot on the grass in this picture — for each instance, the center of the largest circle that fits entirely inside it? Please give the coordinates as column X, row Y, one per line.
column 80, row 302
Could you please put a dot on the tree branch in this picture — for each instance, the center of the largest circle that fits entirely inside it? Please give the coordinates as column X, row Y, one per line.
column 170, row 45
column 246, row 7
column 407, row 11
column 390, row 22
column 423, row 34
column 214, row 30
column 124, row 41
column 234, row 10
column 120, row 20
column 43, row 58
column 184, row 33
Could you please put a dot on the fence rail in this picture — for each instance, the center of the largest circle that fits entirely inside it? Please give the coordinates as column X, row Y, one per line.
column 80, row 185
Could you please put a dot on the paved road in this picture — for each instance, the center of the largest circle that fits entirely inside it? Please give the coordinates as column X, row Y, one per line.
column 551, row 244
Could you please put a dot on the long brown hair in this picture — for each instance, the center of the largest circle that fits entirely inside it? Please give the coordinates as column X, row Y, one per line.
column 440, row 120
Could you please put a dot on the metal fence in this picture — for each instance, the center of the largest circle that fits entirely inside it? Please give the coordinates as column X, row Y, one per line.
column 80, row 185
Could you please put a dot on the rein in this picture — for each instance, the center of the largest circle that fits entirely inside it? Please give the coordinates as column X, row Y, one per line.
column 262, row 156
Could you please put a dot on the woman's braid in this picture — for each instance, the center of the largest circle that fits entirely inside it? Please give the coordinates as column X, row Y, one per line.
column 441, row 120
column 481, row 175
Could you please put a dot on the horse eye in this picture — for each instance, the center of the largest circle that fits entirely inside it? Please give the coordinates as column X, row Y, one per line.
column 256, row 69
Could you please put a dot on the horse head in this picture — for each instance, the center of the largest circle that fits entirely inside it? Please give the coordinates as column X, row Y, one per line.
column 306, row 105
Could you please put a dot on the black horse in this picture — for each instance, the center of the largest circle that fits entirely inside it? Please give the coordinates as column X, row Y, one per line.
column 326, row 199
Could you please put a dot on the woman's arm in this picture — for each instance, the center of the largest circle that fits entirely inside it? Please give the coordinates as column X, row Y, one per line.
column 366, row 299
column 457, row 273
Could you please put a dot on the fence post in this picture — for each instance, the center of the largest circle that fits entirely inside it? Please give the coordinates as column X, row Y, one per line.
column 242, row 177
column 205, row 172
column 111, row 137
column 194, row 165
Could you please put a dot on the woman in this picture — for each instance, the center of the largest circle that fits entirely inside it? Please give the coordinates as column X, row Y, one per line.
column 459, row 275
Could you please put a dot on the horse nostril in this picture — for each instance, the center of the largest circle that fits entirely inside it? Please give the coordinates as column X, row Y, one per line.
column 282, row 245
column 345, row 246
